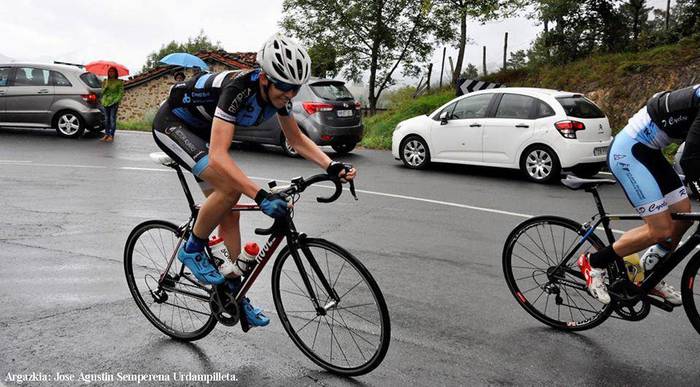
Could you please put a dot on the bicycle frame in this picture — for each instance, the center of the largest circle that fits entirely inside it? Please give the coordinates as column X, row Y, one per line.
column 662, row 268
column 280, row 230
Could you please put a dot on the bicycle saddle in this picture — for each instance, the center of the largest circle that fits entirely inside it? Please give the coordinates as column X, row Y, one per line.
column 573, row 182
column 162, row 158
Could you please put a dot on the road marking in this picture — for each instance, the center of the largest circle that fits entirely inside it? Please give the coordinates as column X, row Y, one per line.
column 384, row 194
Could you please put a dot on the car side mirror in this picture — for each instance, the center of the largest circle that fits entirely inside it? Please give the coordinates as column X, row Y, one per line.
column 444, row 117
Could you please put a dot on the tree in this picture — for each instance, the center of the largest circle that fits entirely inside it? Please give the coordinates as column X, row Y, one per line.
column 324, row 59
column 687, row 17
column 518, row 60
column 471, row 72
column 637, row 13
column 376, row 36
column 200, row 42
column 451, row 18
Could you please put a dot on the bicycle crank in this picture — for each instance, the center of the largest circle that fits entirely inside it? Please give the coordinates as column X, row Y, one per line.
column 224, row 307
column 636, row 312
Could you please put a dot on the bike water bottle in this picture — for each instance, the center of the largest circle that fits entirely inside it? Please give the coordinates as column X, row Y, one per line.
column 635, row 271
column 246, row 261
column 221, row 255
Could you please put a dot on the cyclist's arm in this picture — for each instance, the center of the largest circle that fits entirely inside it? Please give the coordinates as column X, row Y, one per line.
column 302, row 144
column 221, row 162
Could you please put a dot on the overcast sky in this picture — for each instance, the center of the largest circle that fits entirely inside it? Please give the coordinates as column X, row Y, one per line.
column 126, row 31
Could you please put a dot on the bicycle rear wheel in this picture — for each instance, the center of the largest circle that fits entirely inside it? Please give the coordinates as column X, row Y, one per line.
column 689, row 292
column 552, row 293
column 178, row 307
column 350, row 338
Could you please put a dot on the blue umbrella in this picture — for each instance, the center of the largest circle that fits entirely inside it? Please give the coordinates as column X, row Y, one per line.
column 184, row 59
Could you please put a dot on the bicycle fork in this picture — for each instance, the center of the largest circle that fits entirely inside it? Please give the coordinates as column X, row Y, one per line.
column 333, row 300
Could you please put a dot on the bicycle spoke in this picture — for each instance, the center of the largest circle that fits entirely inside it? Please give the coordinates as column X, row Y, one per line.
column 351, row 289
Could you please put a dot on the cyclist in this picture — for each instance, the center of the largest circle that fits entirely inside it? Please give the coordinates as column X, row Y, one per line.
column 195, row 127
column 651, row 185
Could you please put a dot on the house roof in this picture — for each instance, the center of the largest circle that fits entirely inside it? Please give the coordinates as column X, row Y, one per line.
column 238, row 60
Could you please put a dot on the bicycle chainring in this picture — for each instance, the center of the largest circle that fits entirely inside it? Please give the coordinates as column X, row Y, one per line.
column 224, row 307
column 635, row 312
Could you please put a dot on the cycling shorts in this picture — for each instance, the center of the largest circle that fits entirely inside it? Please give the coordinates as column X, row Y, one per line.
column 649, row 181
column 188, row 148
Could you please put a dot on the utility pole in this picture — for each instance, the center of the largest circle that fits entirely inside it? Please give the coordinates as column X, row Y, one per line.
column 484, row 61
column 442, row 69
column 505, row 51
column 430, row 71
column 668, row 12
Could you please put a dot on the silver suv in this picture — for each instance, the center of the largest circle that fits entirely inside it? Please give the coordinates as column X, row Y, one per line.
column 50, row 96
column 326, row 112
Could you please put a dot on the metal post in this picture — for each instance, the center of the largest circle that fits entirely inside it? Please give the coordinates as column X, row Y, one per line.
column 668, row 13
column 484, row 61
column 430, row 70
column 442, row 69
column 505, row 51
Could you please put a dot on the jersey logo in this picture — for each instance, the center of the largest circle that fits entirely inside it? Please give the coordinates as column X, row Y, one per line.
column 236, row 103
column 186, row 98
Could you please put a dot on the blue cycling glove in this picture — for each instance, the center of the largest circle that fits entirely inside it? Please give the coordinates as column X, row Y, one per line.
column 272, row 205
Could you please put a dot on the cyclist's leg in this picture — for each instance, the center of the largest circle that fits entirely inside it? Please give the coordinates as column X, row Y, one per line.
column 190, row 151
column 229, row 228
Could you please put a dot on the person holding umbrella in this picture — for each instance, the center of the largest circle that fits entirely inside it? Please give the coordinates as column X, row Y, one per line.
column 112, row 93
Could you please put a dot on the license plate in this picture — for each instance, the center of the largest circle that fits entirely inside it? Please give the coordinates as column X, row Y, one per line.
column 344, row 113
column 600, row 151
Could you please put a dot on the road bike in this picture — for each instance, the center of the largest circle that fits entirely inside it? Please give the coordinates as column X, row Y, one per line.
column 327, row 301
column 539, row 264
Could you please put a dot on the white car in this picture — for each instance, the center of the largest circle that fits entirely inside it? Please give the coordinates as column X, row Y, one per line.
column 538, row 131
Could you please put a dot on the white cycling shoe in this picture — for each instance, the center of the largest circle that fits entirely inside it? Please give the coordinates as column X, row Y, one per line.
column 595, row 280
column 667, row 292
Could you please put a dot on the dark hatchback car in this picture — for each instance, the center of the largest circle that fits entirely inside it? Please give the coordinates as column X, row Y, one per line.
column 326, row 112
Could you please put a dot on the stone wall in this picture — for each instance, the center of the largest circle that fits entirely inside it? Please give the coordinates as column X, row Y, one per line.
column 141, row 102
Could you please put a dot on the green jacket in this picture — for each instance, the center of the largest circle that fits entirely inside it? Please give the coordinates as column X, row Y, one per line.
column 112, row 91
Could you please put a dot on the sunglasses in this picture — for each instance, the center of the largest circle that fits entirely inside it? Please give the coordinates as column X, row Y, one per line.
column 284, row 87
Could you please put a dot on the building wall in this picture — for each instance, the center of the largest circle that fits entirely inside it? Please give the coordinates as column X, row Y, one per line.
column 141, row 102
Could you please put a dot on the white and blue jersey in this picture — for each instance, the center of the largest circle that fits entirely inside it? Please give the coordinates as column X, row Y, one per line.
column 636, row 158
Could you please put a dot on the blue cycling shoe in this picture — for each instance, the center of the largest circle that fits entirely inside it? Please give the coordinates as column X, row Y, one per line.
column 199, row 266
column 255, row 316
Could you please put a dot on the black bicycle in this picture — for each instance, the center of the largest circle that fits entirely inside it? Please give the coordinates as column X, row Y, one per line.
column 326, row 300
column 539, row 264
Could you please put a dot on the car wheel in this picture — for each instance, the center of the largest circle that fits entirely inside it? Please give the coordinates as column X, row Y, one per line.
column 288, row 150
column 344, row 148
column 586, row 171
column 540, row 164
column 69, row 124
column 415, row 153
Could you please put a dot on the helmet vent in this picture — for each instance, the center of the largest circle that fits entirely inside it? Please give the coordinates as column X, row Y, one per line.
column 277, row 45
column 291, row 70
column 288, row 52
column 279, row 57
column 278, row 68
column 300, row 67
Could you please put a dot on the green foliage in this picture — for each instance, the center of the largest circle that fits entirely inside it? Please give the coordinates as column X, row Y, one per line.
column 471, row 72
column 323, row 59
column 368, row 36
column 379, row 128
column 200, row 42
column 144, row 124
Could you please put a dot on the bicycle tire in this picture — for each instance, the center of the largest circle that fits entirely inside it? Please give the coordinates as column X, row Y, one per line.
column 382, row 330
column 599, row 312
column 690, row 296
column 139, row 290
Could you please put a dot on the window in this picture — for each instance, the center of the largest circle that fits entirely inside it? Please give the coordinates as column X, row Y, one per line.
column 91, row 80
column 332, row 91
column 29, row 76
column 515, row 106
column 580, row 107
column 543, row 110
column 472, row 107
column 5, row 75
column 449, row 108
column 59, row 79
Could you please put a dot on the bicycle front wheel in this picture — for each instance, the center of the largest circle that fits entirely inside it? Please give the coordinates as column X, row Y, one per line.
column 549, row 289
column 689, row 292
column 178, row 307
column 350, row 337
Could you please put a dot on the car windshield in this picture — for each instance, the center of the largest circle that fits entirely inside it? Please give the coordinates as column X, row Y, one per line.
column 90, row 79
column 332, row 91
column 580, row 107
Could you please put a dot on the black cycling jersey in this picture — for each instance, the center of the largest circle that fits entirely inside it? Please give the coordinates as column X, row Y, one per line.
column 674, row 111
column 232, row 97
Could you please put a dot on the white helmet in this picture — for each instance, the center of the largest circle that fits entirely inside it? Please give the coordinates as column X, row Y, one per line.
column 285, row 60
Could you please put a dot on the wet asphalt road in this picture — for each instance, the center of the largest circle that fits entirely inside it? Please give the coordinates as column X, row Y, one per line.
column 66, row 208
